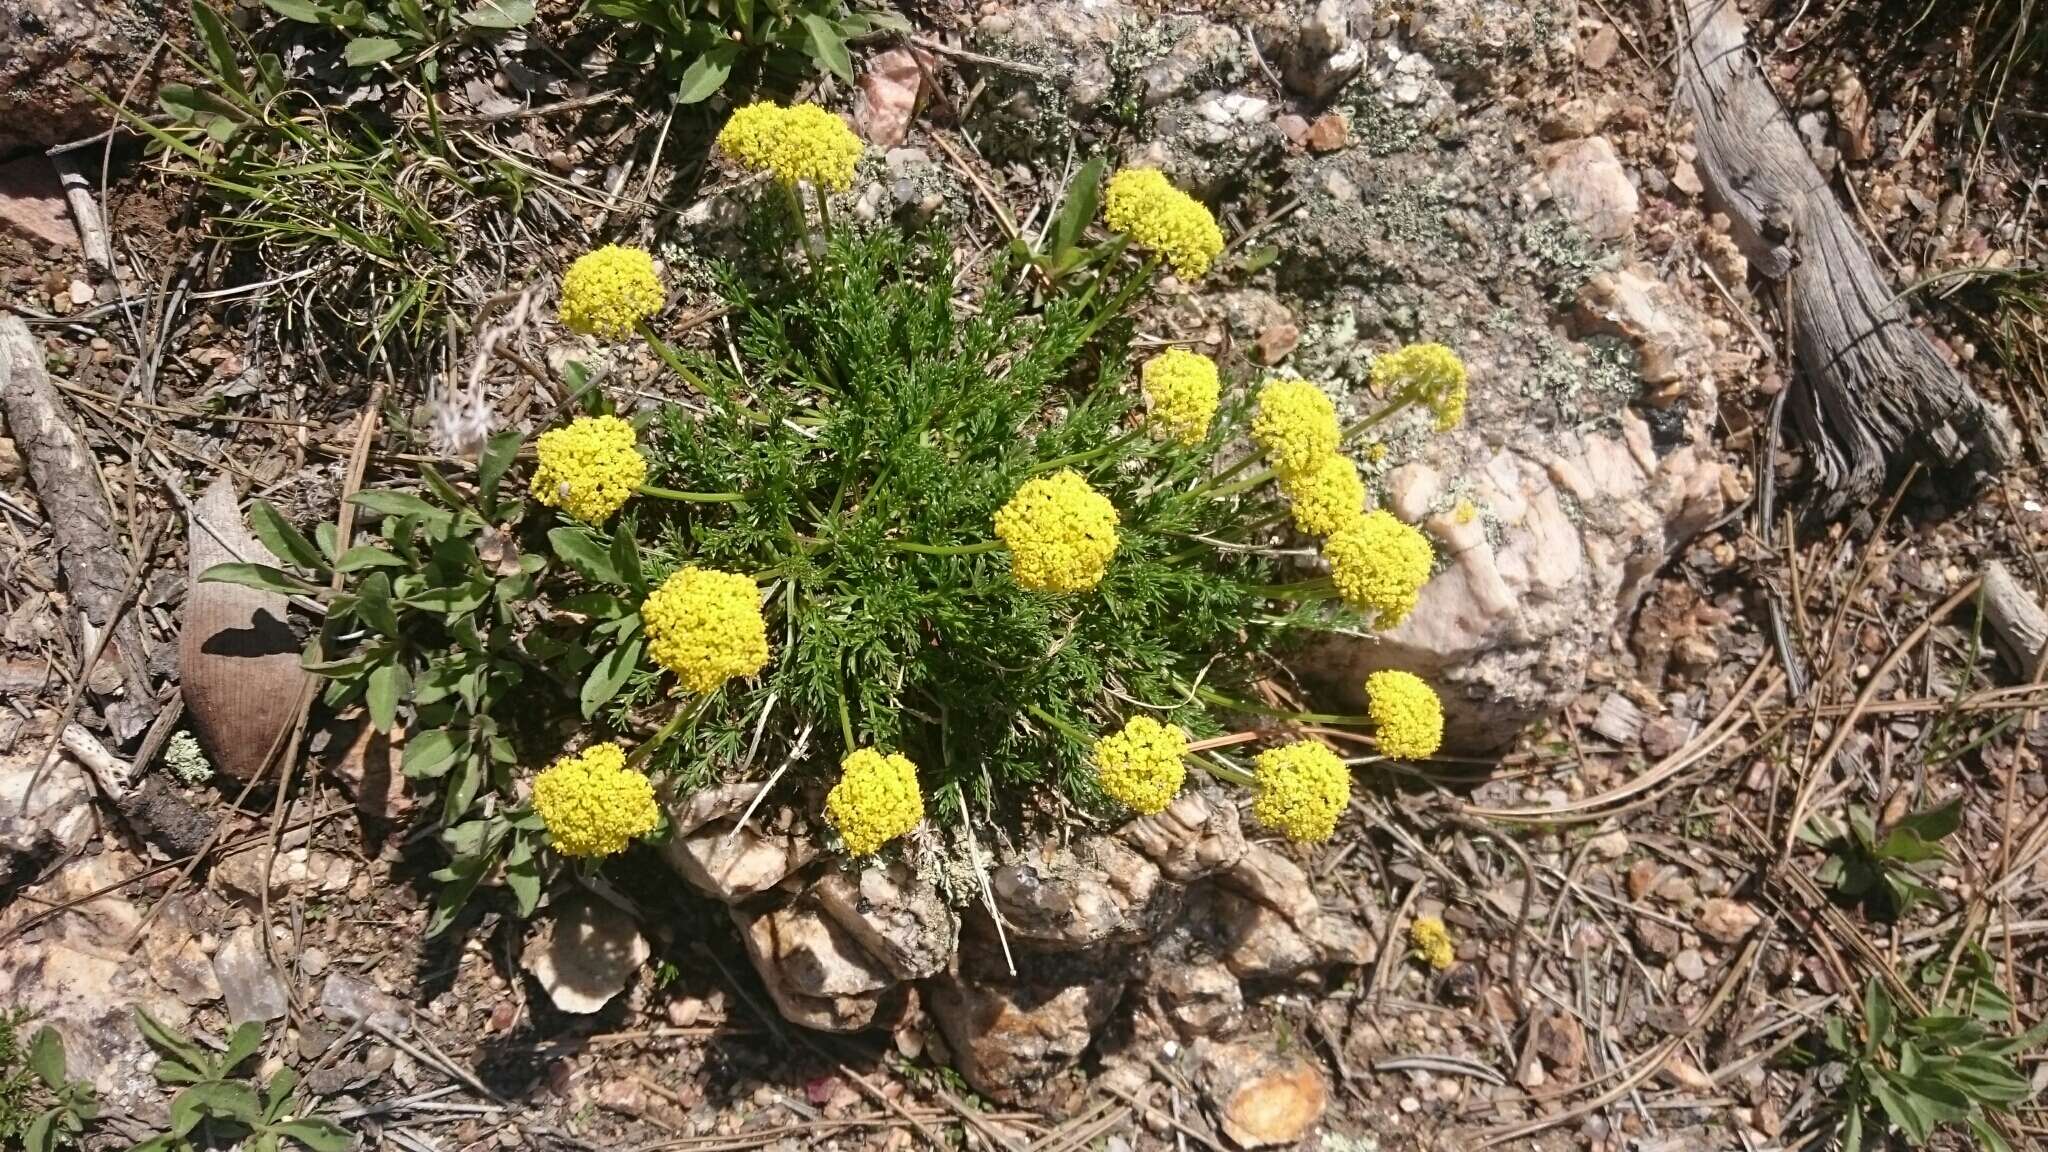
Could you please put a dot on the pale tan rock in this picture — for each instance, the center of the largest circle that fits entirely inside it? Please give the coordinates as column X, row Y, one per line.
column 816, row 973
column 1586, row 178
column 1632, row 303
column 1010, row 1034
column 893, row 915
column 1192, row 837
column 584, row 953
column 888, row 97
column 1727, row 921
column 705, row 851
column 1198, row 999
column 1260, row 1100
column 1096, row 891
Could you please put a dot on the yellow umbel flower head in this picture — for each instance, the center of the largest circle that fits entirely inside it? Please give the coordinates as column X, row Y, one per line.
column 706, row 627
column 1379, row 565
column 875, row 801
column 1303, row 788
column 801, row 143
column 1407, row 713
column 1141, row 767
column 1295, row 425
column 592, row 804
column 1431, row 373
column 1432, row 942
column 1144, row 205
column 1061, row 533
column 588, row 469
column 1327, row 498
column 608, row 292
column 1182, row 389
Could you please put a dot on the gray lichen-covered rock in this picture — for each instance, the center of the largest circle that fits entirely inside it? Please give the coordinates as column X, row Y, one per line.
column 1059, row 898
column 898, row 917
column 55, row 53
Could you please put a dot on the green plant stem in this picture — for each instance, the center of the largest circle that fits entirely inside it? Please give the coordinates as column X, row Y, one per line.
column 1320, row 588
column 691, row 497
column 1092, row 454
column 1072, row 732
column 1225, row 773
column 1211, row 696
column 674, row 362
column 1213, row 487
column 945, row 549
column 684, row 715
column 824, row 210
column 1124, row 295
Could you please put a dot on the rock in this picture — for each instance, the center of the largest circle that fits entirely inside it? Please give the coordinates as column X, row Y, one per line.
column 1321, row 56
column 54, row 53
column 1265, row 923
column 1656, row 937
column 1590, row 185
column 815, row 971
column 73, row 974
column 1690, row 966
column 1257, row 942
column 888, row 97
column 1260, row 1100
column 702, row 848
column 1275, row 343
column 1600, row 49
column 1561, row 1041
column 176, row 959
column 1294, row 128
column 1330, row 132
column 893, row 915
column 346, row 1000
column 1274, row 881
column 1010, row 1035
column 1633, row 304
column 1097, row 891
column 1727, row 921
column 1851, row 104
column 1192, row 837
column 248, row 980
column 55, row 817
column 1198, row 51
column 584, row 954
column 240, row 876
column 1609, row 845
column 32, row 205
column 1198, row 999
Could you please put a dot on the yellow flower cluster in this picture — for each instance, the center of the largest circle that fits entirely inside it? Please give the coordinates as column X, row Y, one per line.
column 588, row 469
column 1303, row 788
column 1144, row 205
column 1407, row 713
column 801, row 143
column 1142, row 766
column 706, row 627
column 592, row 804
column 1432, row 942
column 1379, row 565
column 1182, row 388
column 1295, row 426
column 1327, row 498
column 609, row 291
column 1061, row 533
column 1431, row 373
column 875, row 801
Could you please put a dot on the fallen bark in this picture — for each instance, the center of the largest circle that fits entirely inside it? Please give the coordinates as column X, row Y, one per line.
column 1874, row 395
column 89, row 553
column 2015, row 619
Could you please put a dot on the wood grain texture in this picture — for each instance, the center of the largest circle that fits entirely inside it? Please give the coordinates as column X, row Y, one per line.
column 238, row 658
column 66, row 479
column 1874, row 394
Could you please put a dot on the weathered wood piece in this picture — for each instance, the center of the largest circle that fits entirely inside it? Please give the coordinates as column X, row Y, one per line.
column 66, row 480
column 1874, row 394
column 2016, row 619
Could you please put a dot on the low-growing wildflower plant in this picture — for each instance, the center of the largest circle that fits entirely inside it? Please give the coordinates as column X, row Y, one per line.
column 592, row 804
column 1407, row 717
column 986, row 539
column 1431, row 942
column 1181, row 389
column 1302, row 789
column 800, row 144
column 876, row 800
column 1143, row 764
column 1143, row 204
column 609, row 291
column 588, row 469
column 1061, row 533
column 1427, row 374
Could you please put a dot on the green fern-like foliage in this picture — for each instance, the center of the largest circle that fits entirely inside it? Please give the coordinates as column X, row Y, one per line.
column 871, row 404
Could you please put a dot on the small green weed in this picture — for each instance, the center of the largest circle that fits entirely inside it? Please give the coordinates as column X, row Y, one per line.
column 1879, row 867
column 701, row 45
column 1922, row 1074
column 214, row 1108
column 411, row 32
column 41, row 1108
